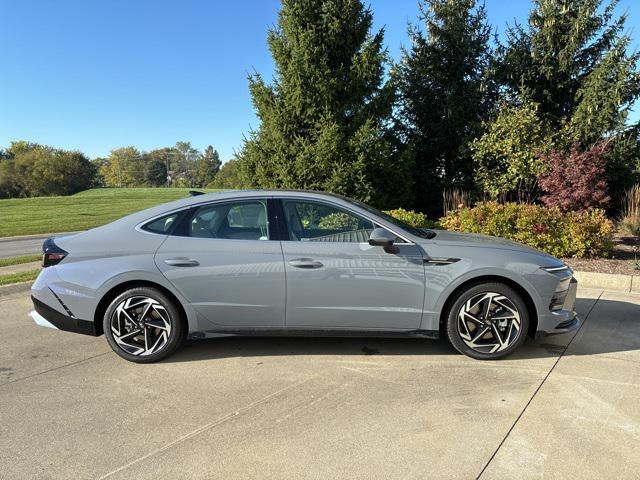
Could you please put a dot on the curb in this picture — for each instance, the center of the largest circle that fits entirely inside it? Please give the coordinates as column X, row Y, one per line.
column 7, row 290
column 608, row 281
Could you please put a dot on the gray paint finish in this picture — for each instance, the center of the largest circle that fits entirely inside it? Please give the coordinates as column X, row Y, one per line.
column 358, row 286
column 238, row 283
column 256, row 285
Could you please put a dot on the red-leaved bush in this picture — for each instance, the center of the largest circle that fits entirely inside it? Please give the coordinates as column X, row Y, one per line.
column 575, row 181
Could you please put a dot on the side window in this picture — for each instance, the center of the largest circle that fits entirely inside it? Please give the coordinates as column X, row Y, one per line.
column 161, row 225
column 233, row 221
column 318, row 222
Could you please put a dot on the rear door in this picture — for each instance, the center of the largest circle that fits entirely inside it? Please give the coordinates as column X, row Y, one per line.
column 222, row 259
column 335, row 279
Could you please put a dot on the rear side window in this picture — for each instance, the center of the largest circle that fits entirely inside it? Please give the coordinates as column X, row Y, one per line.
column 246, row 220
column 162, row 225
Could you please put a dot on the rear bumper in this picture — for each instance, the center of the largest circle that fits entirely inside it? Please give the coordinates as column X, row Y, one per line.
column 46, row 316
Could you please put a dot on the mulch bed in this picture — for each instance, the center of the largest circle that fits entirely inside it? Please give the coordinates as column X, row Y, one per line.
column 625, row 251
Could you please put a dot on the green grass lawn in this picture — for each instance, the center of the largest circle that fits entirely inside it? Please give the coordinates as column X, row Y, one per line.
column 19, row 277
column 91, row 208
column 6, row 262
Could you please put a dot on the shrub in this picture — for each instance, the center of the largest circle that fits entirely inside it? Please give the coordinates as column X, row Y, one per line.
column 338, row 221
column 415, row 219
column 573, row 234
column 631, row 211
column 575, row 181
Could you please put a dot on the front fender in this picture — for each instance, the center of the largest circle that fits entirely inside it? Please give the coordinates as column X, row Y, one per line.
column 442, row 281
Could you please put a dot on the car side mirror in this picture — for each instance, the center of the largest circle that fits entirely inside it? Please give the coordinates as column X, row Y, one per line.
column 381, row 238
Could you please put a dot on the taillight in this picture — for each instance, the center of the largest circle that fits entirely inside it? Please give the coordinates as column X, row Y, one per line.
column 52, row 253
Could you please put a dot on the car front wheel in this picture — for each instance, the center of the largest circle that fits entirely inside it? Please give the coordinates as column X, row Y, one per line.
column 142, row 325
column 488, row 321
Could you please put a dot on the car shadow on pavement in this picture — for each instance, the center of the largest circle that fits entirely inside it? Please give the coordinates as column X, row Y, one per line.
column 612, row 326
column 250, row 346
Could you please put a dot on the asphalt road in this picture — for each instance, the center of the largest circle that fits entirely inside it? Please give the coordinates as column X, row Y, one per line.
column 322, row 408
column 17, row 246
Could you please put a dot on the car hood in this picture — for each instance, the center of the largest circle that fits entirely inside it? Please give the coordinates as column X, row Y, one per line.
column 445, row 237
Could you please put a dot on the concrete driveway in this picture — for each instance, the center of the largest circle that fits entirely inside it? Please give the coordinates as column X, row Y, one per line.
column 323, row 408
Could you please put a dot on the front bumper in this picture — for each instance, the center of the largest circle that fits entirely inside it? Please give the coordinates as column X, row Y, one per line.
column 561, row 321
column 46, row 316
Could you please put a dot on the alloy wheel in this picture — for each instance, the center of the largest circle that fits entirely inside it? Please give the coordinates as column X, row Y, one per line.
column 140, row 325
column 489, row 322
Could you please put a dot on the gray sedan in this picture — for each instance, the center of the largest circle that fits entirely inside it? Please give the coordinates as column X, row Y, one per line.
column 295, row 263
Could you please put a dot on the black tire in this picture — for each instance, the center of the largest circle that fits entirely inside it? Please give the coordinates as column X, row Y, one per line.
column 171, row 342
column 453, row 328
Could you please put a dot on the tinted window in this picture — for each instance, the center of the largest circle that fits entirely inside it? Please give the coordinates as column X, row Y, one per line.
column 234, row 221
column 161, row 225
column 319, row 222
column 419, row 232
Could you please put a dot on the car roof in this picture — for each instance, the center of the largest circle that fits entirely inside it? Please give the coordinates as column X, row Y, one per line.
column 251, row 193
column 148, row 214
column 204, row 198
column 261, row 193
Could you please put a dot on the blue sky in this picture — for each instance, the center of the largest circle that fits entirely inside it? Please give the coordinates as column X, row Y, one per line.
column 96, row 75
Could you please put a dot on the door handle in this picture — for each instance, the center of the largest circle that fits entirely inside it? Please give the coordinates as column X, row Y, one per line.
column 182, row 262
column 305, row 263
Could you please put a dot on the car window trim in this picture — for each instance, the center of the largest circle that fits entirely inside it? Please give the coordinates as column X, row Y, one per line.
column 340, row 207
column 274, row 197
column 180, row 215
column 183, row 213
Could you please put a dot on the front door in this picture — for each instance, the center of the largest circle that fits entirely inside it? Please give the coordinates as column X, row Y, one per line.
column 222, row 260
column 335, row 279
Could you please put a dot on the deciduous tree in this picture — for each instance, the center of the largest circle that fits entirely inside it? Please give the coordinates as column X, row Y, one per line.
column 229, row 176
column 508, row 155
column 575, row 181
column 31, row 169
column 124, row 168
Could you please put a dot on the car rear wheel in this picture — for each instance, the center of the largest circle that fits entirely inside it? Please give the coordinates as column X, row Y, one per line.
column 142, row 325
column 488, row 321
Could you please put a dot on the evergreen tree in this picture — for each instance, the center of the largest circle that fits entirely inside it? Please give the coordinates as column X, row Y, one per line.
column 208, row 166
column 572, row 62
column 445, row 94
column 324, row 119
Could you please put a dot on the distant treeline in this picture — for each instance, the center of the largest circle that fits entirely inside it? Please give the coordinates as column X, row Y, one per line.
column 28, row 169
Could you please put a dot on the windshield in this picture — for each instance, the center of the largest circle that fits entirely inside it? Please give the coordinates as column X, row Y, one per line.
column 418, row 232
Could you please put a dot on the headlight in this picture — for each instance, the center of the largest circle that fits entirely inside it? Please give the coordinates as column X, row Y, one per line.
column 562, row 289
column 561, row 268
